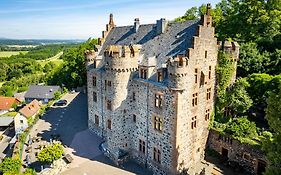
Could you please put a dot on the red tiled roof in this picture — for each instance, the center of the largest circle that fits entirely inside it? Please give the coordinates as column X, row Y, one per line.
column 7, row 103
column 30, row 109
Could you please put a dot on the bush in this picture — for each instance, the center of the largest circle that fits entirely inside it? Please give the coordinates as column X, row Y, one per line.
column 10, row 166
column 51, row 153
column 241, row 127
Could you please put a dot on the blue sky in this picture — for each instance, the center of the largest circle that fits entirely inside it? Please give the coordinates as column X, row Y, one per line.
column 81, row 19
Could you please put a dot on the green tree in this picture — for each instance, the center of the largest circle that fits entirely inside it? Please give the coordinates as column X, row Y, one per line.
column 51, row 153
column 10, row 166
column 272, row 147
column 57, row 95
column 238, row 99
column 241, row 127
column 29, row 171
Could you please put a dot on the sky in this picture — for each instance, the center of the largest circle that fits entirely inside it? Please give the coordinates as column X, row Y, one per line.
column 81, row 19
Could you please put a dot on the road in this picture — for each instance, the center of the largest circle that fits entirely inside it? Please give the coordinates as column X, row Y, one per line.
column 70, row 122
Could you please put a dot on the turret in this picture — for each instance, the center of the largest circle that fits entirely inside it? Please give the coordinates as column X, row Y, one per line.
column 177, row 71
column 122, row 58
column 92, row 58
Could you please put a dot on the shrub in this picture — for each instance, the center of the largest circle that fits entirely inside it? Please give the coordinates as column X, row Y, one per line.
column 10, row 166
column 51, row 153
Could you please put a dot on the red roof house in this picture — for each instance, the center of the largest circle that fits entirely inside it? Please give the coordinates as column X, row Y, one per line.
column 31, row 109
column 7, row 103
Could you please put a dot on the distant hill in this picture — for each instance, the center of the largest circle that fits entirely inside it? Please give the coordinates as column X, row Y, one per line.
column 5, row 41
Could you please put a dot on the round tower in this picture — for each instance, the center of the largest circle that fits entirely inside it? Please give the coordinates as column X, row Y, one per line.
column 177, row 71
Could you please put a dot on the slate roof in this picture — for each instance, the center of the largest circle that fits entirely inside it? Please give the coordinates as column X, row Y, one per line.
column 176, row 39
column 6, row 121
column 30, row 109
column 41, row 92
column 7, row 103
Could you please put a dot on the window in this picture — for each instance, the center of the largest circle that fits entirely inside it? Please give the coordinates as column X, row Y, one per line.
column 206, row 53
column 109, row 124
column 180, row 62
column 134, row 96
column 157, row 123
column 193, row 122
column 207, row 115
column 21, row 121
column 247, row 156
column 156, row 155
column 109, row 83
column 160, row 76
column 194, row 99
column 159, row 100
column 210, row 71
column 108, row 105
column 143, row 73
column 97, row 120
column 94, row 96
column 208, row 94
column 94, row 81
column 142, row 146
column 105, row 84
column 134, row 118
column 196, row 75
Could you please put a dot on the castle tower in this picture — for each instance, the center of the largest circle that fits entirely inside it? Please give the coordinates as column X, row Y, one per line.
column 121, row 66
column 192, row 79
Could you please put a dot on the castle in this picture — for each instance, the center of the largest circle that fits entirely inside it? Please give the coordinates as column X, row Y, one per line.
column 151, row 91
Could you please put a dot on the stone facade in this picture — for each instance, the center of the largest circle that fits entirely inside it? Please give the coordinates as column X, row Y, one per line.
column 251, row 159
column 151, row 91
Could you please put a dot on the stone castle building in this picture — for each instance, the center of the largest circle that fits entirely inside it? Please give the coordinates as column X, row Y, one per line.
column 151, row 91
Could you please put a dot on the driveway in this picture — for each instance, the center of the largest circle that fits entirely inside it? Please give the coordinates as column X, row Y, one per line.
column 71, row 123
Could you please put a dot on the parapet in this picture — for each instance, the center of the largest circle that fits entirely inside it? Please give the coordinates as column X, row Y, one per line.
column 230, row 47
column 118, row 51
column 178, row 66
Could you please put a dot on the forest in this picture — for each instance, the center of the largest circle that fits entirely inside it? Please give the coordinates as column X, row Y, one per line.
column 250, row 109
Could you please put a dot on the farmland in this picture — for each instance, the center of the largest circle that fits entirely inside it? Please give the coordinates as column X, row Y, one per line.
column 10, row 53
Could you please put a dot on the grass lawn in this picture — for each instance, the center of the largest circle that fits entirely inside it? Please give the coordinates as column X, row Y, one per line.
column 54, row 59
column 10, row 53
column 9, row 114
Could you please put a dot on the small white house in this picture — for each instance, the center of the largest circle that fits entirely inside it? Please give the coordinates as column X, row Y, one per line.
column 20, row 123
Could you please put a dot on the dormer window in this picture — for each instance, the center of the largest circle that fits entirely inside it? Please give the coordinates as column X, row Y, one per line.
column 160, row 75
column 143, row 73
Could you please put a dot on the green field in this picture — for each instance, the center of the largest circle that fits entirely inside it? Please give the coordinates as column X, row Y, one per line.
column 10, row 53
column 54, row 59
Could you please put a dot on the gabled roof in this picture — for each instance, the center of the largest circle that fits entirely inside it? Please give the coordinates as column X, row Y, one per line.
column 41, row 92
column 7, row 103
column 30, row 109
column 6, row 121
column 176, row 39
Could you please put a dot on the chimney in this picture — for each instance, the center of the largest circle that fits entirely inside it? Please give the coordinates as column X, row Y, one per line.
column 161, row 26
column 206, row 19
column 111, row 22
column 136, row 24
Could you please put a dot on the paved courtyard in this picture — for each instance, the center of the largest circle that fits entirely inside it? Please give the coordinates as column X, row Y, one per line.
column 70, row 123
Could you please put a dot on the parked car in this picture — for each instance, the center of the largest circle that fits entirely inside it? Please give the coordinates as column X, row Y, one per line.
column 60, row 103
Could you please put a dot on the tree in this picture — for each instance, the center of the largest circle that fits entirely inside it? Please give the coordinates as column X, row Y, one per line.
column 57, row 95
column 238, row 99
column 241, row 127
column 51, row 153
column 272, row 147
column 10, row 166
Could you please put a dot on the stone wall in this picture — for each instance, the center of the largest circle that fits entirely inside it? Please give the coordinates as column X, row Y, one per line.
column 246, row 155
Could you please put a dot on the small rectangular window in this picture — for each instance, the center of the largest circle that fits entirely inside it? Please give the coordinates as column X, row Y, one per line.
column 194, row 99
column 108, row 105
column 134, row 96
column 94, row 96
column 94, row 81
column 193, row 122
column 158, row 100
column 109, row 83
column 156, row 155
column 105, row 84
column 97, row 120
column 109, row 124
column 160, row 75
column 158, row 123
column 208, row 96
column 207, row 115
column 143, row 73
column 21, row 121
column 134, row 118
column 142, row 146
column 206, row 53
column 210, row 71
column 196, row 75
